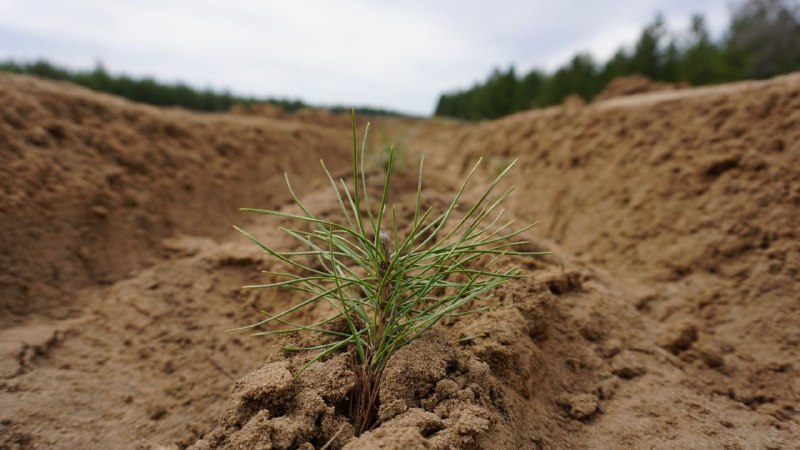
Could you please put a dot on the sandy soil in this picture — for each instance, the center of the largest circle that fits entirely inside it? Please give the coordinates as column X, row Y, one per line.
column 668, row 315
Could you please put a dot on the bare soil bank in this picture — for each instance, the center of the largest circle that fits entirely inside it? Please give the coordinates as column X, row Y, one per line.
column 667, row 317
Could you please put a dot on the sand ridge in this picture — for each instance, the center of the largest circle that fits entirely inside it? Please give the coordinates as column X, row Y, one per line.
column 667, row 316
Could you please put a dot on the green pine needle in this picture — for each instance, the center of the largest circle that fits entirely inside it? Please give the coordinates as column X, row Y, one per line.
column 390, row 290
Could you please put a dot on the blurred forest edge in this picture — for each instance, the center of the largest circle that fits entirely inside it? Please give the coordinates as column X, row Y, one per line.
column 153, row 92
column 762, row 40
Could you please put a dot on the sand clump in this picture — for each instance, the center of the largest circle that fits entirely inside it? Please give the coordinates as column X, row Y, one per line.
column 665, row 318
column 443, row 404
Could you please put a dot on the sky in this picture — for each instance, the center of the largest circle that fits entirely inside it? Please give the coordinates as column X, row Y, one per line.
column 380, row 53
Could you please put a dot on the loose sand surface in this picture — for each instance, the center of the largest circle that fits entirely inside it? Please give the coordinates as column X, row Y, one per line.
column 667, row 316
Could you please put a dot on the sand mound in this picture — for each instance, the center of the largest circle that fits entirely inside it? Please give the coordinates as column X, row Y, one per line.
column 635, row 84
column 91, row 184
column 315, row 117
column 691, row 203
column 667, row 317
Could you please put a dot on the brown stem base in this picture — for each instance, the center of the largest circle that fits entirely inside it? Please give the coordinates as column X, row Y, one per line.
column 364, row 403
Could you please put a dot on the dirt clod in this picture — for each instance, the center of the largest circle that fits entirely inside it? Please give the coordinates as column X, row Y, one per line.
column 581, row 406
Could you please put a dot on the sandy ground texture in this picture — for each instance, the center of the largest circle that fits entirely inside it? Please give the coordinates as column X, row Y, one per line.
column 668, row 315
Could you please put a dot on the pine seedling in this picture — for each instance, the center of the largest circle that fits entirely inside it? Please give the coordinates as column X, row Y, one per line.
column 389, row 282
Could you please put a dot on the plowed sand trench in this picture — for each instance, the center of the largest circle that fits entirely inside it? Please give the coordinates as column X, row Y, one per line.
column 668, row 315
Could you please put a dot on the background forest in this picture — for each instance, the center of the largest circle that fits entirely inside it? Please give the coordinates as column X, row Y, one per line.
column 761, row 41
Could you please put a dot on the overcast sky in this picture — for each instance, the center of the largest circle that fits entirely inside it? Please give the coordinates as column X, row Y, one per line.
column 398, row 55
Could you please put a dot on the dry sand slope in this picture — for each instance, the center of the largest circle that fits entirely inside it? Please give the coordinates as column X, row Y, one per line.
column 668, row 316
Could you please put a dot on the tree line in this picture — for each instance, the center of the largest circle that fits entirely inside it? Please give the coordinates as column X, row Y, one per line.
column 761, row 41
column 149, row 90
